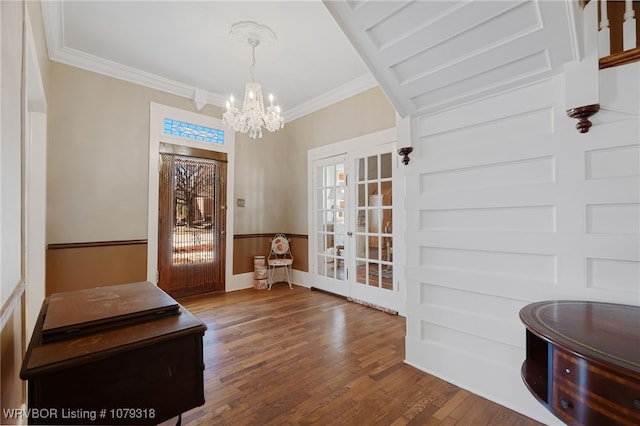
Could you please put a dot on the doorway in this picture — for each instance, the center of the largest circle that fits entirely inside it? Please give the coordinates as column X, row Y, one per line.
column 191, row 220
column 351, row 203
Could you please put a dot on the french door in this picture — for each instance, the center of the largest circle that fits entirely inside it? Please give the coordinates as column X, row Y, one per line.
column 353, row 225
column 191, row 221
column 371, row 257
column 330, row 224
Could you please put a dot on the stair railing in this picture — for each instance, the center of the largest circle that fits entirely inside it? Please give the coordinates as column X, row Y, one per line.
column 618, row 35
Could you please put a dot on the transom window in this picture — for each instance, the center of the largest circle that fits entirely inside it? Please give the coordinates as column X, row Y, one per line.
column 193, row 131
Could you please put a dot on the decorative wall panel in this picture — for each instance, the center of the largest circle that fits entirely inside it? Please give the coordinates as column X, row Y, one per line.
column 507, row 204
column 613, row 162
column 511, row 173
column 512, row 218
column 614, row 275
column 623, row 218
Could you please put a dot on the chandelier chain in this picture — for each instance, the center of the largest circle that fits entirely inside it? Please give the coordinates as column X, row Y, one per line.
column 253, row 42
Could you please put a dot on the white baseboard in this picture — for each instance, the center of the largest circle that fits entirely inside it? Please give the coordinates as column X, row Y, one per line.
column 493, row 382
column 245, row 281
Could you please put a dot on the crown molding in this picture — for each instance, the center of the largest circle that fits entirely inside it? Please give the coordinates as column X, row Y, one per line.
column 54, row 30
column 355, row 86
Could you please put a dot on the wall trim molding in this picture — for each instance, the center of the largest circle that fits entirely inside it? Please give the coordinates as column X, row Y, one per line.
column 61, row 246
column 12, row 302
column 268, row 235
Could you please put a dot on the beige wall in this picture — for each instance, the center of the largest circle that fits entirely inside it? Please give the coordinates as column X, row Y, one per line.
column 271, row 173
column 98, row 152
column 97, row 165
column 262, row 176
column 97, row 169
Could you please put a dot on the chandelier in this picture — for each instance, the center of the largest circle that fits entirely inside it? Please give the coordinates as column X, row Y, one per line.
column 253, row 116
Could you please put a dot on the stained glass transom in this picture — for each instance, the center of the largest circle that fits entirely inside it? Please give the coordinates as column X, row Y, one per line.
column 193, row 131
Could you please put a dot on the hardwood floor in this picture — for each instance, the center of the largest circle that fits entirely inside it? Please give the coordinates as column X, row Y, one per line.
column 301, row 357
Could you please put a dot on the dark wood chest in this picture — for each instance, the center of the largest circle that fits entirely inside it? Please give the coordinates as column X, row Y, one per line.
column 124, row 354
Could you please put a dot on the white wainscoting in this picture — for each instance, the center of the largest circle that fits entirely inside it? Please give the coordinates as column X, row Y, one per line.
column 508, row 204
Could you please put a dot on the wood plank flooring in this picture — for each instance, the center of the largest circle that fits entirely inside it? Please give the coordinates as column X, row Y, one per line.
column 301, row 357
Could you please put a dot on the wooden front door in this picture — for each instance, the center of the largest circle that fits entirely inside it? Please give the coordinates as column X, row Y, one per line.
column 191, row 221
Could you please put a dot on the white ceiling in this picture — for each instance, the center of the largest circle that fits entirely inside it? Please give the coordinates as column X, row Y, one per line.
column 427, row 55
column 180, row 46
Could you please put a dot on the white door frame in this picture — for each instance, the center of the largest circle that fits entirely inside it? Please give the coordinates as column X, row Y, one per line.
column 157, row 114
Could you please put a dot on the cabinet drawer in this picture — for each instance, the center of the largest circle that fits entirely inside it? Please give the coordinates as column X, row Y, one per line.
column 615, row 393
column 566, row 405
column 573, row 409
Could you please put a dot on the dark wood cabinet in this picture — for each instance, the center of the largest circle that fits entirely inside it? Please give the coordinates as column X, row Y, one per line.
column 583, row 360
column 126, row 354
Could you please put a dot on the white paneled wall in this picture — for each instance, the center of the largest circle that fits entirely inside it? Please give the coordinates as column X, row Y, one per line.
column 508, row 204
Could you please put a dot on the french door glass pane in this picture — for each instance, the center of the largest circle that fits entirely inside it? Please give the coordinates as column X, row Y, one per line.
column 385, row 189
column 372, row 167
column 330, row 220
column 385, row 166
column 362, row 272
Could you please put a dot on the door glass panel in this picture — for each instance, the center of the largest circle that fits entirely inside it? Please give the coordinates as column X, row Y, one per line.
column 385, row 190
column 361, row 268
column 374, row 222
column 330, row 217
column 362, row 194
column 372, row 166
column 361, row 221
column 192, row 240
column 321, row 244
column 322, row 270
column 319, row 220
column 374, row 274
column 374, row 242
column 385, row 166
